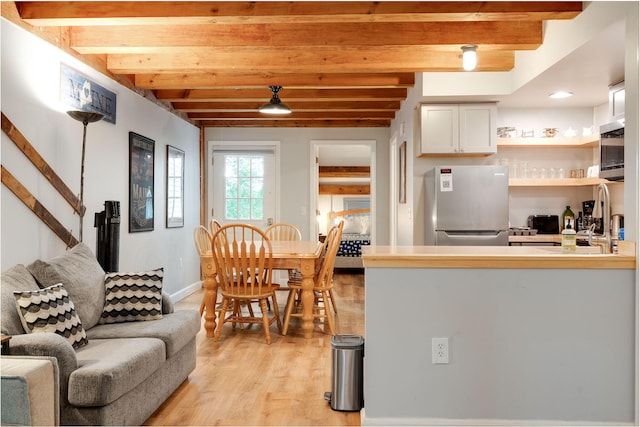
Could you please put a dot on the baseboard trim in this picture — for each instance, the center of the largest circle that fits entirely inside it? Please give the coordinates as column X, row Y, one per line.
column 364, row 421
column 186, row 291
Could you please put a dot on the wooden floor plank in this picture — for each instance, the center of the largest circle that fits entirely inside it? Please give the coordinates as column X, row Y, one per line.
column 242, row 381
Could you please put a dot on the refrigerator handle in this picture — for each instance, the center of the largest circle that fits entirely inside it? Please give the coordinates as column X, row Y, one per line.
column 472, row 234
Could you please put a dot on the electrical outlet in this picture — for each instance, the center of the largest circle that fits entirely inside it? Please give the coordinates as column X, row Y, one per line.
column 439, row 350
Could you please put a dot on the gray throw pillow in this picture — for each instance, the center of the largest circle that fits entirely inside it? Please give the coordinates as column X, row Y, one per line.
column 82, row 276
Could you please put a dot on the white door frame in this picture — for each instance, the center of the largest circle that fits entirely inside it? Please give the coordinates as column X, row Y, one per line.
column 393, row 190
column 245, row 145
column 313, row 191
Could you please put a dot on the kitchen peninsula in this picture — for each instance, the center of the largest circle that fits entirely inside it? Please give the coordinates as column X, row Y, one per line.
column 534, row 335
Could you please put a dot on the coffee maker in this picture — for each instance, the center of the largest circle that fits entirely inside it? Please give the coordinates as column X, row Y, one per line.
column 585, row 218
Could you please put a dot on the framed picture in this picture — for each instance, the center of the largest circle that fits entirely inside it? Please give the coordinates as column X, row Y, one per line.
column 141, row 165
column 175, row 187
column 402, row 173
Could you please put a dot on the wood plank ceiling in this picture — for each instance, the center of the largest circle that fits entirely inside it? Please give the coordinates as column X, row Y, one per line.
column 346, row 64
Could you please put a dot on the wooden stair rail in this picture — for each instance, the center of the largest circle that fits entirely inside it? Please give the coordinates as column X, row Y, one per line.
column 30, row 152
column 36, row 207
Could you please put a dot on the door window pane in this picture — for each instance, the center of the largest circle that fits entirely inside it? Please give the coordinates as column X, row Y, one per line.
column 244, row 187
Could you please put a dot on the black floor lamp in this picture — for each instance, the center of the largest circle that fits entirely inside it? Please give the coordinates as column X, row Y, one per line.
column 85, row 117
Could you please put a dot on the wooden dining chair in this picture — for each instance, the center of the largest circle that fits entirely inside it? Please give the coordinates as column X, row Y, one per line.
column 214, row 225
column 322, row 285
column 283, row 231
column 202, row 239
column 243, row 260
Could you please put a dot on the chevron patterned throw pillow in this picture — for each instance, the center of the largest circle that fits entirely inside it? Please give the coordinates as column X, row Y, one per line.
column 130, row 297
column 50, row 310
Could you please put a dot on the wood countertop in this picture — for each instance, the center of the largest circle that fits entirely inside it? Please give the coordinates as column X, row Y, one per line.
column 538, row 238
column 539, row 257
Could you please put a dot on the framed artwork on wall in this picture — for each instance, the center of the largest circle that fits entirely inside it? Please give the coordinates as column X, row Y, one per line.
column 141, row 174
column 402, row 173
column 175, row 187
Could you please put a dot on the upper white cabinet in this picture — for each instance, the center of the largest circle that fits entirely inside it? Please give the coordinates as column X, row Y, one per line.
column 460, row 129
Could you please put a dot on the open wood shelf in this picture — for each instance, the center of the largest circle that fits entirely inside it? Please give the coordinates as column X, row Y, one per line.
column 589, row 141
column 568, row 182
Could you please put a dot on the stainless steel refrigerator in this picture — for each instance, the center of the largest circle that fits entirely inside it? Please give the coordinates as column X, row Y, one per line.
column 467, row 206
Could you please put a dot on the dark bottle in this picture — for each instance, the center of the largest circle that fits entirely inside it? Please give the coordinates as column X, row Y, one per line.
column 579, row 223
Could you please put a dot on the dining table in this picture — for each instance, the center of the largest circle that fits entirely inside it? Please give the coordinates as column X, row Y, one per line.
column 286, row 255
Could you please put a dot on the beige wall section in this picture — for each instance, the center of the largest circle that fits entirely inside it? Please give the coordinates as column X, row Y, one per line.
column 295, row 168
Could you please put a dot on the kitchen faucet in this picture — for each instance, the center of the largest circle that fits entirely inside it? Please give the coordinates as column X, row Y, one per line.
column 603, row 240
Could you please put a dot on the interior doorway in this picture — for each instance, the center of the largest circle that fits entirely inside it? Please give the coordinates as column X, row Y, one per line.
column 344, row 190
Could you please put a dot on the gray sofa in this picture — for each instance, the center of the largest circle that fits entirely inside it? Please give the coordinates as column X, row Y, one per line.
column 126, row 370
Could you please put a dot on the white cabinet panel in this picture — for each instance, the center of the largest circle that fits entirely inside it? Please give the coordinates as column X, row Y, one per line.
column 478, row 134
column 458, row 129
column 439, row 127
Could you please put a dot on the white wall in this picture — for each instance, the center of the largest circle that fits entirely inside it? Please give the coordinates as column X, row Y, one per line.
column 295, row 169
column 403, row 128
column 30, row 85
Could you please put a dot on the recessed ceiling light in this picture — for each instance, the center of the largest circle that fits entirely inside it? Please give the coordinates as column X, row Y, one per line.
column 560, row 95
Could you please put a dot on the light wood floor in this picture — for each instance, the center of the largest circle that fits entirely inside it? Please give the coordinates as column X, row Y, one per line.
column 242, row 381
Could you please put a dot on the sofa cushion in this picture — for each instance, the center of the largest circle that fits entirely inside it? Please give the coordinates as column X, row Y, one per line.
column 107, row 369
column 175, row 329
column 82, row 276
column 131, row 296
column 50, row 310
column 17, row 278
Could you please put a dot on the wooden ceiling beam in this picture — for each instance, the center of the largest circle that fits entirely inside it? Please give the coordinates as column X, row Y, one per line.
column 211, row 62
column 196, row 107
column 71, row 13
column 264, row 94
column 295, row 115
column 264, row 79
column 343, row 189
column 302, row 59
column 344, row 172
column 150, row 39
column 297, row 123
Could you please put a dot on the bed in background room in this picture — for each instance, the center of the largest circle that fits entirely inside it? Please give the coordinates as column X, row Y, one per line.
column 355, row 234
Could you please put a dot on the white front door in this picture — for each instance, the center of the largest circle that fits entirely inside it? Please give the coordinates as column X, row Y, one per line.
column 242, row 183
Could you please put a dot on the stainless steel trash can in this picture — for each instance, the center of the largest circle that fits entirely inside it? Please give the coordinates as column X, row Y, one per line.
column 347, row 354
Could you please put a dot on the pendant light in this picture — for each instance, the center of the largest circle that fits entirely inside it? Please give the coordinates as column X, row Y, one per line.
column 275, row 106
column 469, row 58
